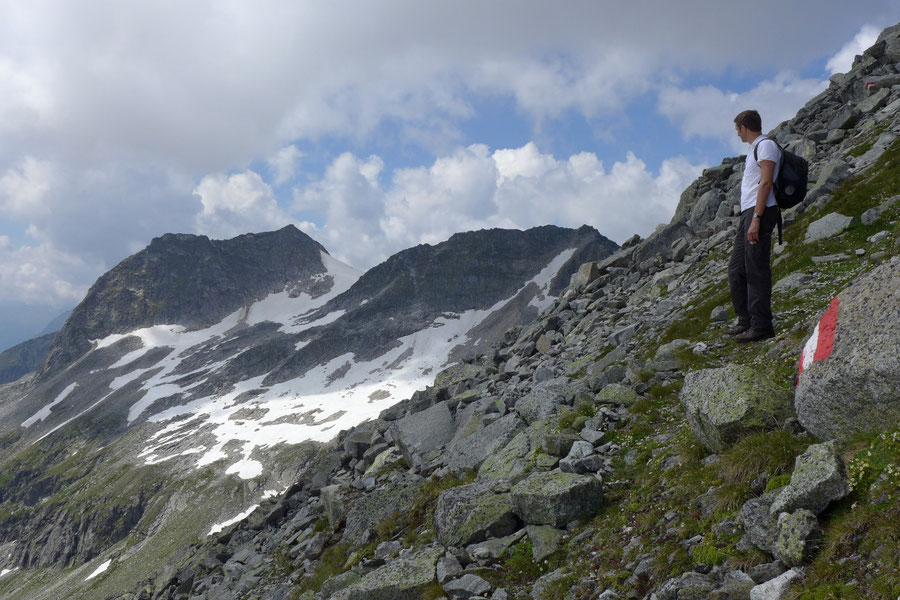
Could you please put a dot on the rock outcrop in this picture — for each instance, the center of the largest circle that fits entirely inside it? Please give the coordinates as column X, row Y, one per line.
column 819, row 478
column 473, row 513
column 556, row 498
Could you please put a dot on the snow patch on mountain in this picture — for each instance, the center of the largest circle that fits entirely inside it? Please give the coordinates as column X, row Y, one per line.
column 220, row 526
column 45, row 412
column 99, row 570
column 175, row 336
column 545, row 277
column 292, row 312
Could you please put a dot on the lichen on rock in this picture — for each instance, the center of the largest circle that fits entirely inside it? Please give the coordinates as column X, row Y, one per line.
column 724, row 403
column 556, row 498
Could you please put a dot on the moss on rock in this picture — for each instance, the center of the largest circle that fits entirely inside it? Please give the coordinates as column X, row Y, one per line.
column 556, row 498
column 724, row 403
column 472, row 513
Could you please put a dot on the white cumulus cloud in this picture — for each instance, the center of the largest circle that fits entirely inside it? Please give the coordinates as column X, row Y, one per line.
column 474, row 188
column 236, row 204
column 123, row 121
column 842, row 61
column 23, row 188
column 284, row 163
column 708, row 111
column 41, row 274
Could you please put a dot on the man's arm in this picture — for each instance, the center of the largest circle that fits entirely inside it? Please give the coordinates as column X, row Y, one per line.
column 766, row 177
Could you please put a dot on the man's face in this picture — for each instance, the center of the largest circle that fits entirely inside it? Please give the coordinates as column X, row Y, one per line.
column 742, row 132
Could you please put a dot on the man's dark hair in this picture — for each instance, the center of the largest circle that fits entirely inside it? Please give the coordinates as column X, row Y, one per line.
column 749, row 119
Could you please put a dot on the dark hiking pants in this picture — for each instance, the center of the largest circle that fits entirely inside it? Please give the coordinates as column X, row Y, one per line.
column 749, row 271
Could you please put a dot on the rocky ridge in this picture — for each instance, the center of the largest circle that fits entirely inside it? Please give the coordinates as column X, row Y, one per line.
column 530, row 457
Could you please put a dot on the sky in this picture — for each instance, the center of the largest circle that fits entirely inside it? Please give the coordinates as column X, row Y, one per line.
column 374, row 126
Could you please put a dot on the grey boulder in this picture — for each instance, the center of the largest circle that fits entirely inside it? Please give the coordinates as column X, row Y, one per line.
column 665, row 358
column 514, row 461
column 758, row 521
column 623, row 334
column 401, row 579
column 467, row 586
column 472, row 513
column 819, row 477
column 845, row 118
column 586, row 273
column 688, row 586
column 793, row 282
column 556, row 498
column 797, row 537
column 469, row 452
column 777, row 588
column 615, row 393
column 724, row 403
column 705, row 209
column 873, row 214
column 447, row 568
column 543, row 401
column 828, row 226
column 544, row 539
column 423, row 431
column 376, row 506
column 581, row 459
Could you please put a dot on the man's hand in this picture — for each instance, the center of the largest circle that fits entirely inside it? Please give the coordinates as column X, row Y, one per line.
column 753, row 232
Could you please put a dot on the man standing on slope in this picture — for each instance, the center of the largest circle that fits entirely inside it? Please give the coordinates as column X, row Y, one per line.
column 749, row 272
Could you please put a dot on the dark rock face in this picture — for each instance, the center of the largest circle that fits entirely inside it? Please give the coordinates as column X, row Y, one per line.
column 24, row 358
column 472, row 270
column 195, row 283
column 189, row 280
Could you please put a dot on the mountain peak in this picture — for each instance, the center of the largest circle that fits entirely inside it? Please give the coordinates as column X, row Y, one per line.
column 188, row 280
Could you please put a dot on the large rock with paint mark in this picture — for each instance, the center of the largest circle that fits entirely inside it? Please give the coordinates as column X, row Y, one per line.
column 850, row 368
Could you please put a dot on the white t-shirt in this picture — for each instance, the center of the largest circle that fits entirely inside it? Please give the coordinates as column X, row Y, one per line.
column 750, row 183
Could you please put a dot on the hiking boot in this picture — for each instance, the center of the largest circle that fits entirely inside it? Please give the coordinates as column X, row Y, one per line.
column 753, row 335
column 739, row 328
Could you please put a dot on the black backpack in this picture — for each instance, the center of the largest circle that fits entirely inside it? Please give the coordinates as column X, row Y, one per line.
column 792, row 178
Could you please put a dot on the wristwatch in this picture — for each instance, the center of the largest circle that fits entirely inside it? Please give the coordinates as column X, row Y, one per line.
column 756, row 216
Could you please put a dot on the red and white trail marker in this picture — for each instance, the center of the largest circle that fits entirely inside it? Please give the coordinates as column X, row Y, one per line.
column 819, row 346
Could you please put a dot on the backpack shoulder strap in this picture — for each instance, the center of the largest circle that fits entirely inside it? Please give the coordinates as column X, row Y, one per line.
column 756, row 148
